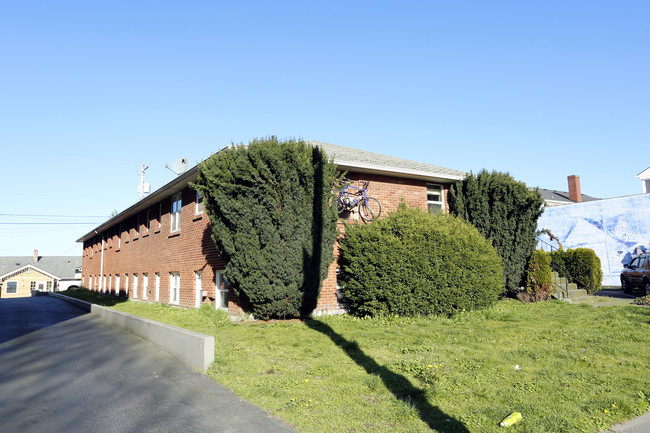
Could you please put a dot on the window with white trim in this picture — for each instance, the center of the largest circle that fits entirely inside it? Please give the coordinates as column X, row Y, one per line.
column 135, row 285
column 199, row 203
column 198, row 283
column 176, row 213
column 117, row 284
column 174, row 287
column 145, row 286
column 435, row 202
column 126, row 283
column 12, row 287
column 221, row 298
column 157, row 286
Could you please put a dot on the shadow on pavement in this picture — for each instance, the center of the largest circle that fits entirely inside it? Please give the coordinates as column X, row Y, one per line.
column 20, row 316
column 397, row 384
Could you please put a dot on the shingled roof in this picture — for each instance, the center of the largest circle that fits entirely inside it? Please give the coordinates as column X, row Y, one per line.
column 62, row 267
column 348, row 158
column 562, row 197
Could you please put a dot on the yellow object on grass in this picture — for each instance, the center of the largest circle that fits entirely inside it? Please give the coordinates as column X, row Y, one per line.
column 511, row 419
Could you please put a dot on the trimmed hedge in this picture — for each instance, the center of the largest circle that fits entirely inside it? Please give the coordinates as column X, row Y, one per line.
column 539, row 277
column 413, row 262
column 583, row 267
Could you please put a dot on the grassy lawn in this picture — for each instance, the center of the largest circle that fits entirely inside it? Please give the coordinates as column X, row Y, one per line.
column 581, row 369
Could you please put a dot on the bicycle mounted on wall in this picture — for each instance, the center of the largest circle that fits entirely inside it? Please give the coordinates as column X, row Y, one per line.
column 352, row 196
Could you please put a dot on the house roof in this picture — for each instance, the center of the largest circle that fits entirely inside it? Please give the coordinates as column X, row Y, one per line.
column 61, row 267
column 346, row 158
column 562, row 197
column 645, row 174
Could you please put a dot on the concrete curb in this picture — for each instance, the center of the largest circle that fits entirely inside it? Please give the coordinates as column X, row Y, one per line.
column 192, row 347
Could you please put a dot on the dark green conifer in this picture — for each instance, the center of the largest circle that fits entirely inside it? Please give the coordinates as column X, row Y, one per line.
column 506, row 212
column 273, row 221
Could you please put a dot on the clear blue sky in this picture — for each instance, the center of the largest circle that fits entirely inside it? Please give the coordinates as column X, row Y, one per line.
column 91, row 90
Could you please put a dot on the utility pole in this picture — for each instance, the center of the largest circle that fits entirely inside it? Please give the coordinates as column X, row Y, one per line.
column 144, row 187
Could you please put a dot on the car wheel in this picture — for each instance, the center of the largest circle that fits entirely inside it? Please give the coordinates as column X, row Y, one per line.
column 647, row 287
column 625, row 286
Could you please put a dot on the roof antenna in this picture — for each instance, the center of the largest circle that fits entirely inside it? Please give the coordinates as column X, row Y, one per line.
column 143, row 188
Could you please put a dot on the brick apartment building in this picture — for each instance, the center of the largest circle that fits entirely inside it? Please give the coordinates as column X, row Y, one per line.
column 160, row 248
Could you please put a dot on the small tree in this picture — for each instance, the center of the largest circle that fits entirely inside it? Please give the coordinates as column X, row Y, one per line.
column 273, row 222
column 412, row 262
column 504, row 211
column 539, row 278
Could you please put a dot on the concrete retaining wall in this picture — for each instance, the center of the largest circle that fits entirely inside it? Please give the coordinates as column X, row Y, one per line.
column 193, row 347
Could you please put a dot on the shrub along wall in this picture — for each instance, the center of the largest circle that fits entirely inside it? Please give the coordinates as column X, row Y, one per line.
column 582, row 266
column 413, row 262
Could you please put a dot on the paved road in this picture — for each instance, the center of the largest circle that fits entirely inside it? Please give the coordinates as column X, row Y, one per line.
column 62, row 370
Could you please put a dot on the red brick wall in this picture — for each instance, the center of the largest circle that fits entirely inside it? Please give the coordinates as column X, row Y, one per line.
column 390, row 191
column 191, row 249
column 158, row 250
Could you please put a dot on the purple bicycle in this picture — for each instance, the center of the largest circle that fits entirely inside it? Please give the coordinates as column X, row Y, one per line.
column 352, row 196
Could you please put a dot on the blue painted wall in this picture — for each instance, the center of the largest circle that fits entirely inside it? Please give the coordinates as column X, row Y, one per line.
column 615, row 228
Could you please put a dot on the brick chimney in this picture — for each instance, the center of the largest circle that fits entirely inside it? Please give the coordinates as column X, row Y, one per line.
column 35, row 256
column 574, row 188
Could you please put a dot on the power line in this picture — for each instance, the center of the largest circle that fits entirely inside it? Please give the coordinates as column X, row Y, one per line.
column 42, row 223
column 55, row 216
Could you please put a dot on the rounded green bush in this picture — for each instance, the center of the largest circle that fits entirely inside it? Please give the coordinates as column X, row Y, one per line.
column 413, row 262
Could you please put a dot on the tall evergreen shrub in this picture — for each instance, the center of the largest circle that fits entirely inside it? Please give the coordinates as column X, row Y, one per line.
column 412, row 262
column 273, row 221
column 539, row 279
column 504, row 211
column 582, row 266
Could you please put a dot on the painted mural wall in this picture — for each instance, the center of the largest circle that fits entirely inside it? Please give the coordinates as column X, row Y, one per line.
column 617, row 229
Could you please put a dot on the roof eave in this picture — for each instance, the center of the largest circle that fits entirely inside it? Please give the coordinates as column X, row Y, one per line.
column 166, row 190
column 392, row 171
column 49, row 274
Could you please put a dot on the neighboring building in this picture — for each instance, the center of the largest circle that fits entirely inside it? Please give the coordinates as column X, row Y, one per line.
column 160, row 248
column 644, row 176
column 615, row 228
column 561, row 198
column 20, row 276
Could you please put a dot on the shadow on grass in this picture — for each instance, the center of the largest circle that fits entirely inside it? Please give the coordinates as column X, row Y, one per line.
column 397, row 384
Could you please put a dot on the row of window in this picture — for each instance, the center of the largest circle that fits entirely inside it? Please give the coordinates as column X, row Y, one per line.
column 111, row 283
column 12, row 286
column 136, row 226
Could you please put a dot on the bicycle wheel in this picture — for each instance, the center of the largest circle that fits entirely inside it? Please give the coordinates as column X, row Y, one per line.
column 340, row 206
column 369, row 209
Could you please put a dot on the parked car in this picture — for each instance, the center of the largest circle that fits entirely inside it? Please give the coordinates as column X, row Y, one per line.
column 68, row 284
column 636, row 274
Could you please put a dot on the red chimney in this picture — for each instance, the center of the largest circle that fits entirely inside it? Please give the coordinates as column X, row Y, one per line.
column 35, row 256
column 574, row 188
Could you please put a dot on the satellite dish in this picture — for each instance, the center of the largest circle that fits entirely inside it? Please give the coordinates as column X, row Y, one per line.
column 179, row 166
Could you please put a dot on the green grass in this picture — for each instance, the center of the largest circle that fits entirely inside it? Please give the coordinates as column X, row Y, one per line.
column 582, row 369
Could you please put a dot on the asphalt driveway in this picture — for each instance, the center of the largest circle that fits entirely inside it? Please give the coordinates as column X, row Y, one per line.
column 64, row 370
